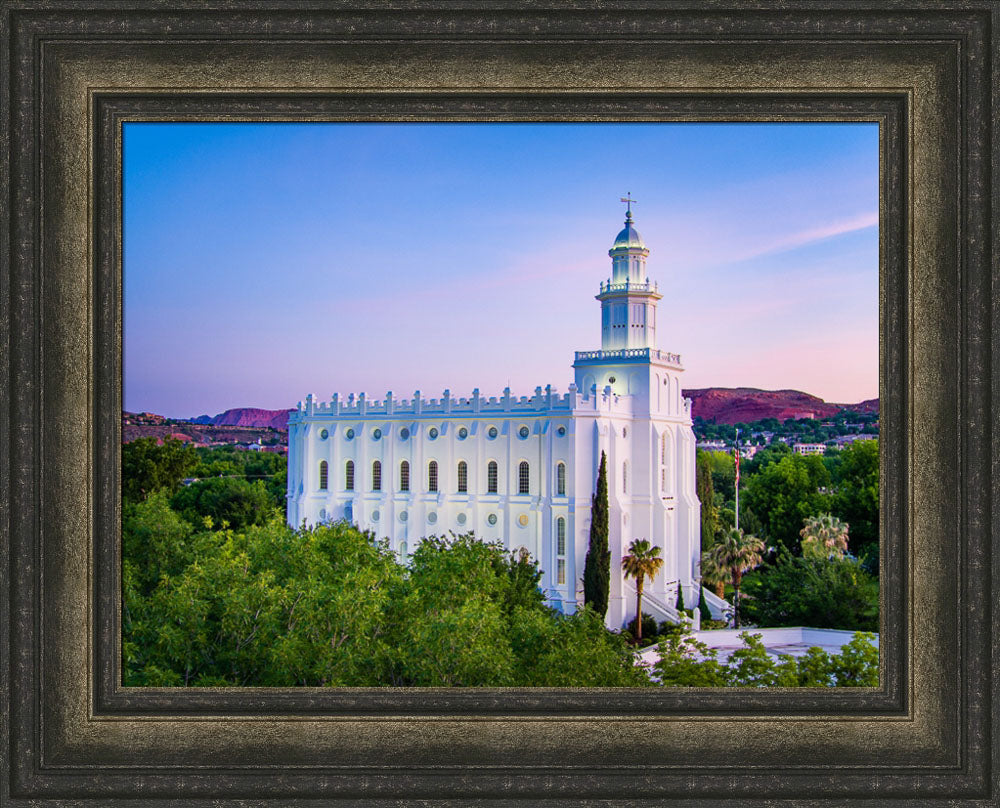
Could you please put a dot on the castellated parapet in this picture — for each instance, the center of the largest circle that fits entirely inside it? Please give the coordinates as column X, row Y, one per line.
column 546, row 401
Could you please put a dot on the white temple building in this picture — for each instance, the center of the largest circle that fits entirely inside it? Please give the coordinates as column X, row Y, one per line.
column 523, row 469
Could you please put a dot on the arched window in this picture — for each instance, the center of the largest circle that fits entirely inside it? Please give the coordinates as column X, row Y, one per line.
column 463, row 477
column 663, row 462
column 625, row 477
column 324, row 471
column 491, row 477
column 404, row 476
column 377, row 476
column 560, row 551
column 402, row 549
column 432, row 476
column 522, row 477
column 349, row 476
column 560, row 479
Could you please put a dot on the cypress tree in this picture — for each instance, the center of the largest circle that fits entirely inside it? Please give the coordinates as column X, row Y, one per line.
column 706, row 495
column 597, row 567
column 680, row 598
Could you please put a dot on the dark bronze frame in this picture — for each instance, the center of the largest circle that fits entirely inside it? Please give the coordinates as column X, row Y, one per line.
column 75, row 70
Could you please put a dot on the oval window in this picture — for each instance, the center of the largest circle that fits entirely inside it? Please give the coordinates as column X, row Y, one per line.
column 323, row 434
column 432, row 433
column 493, row 432
column 349, row 434
column 404, row 433
column 492, row 518
column 524, row 432
column 376, row 434
column 463, row 433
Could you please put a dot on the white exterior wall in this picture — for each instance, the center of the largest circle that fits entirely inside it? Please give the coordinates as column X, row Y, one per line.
column 668, row 519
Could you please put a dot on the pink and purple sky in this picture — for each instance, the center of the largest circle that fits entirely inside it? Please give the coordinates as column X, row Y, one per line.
column 266, row 261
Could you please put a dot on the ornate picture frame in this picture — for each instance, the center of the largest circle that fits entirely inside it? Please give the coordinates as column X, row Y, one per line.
column 76, row 71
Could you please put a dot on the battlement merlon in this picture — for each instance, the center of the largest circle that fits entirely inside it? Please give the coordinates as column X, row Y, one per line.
column 543, row 400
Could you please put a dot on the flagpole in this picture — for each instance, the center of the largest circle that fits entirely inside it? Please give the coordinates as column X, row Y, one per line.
column 737, row 478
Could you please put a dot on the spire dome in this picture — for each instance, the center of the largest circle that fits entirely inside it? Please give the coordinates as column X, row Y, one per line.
column 629, row 237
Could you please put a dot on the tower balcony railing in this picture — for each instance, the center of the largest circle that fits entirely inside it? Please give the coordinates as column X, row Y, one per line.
column 632, row 353
column 629, row 286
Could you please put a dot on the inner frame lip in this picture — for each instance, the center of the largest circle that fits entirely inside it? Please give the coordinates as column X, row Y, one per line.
column 890, row 701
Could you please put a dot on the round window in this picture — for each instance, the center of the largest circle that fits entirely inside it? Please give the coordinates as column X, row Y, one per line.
column 611, row 379
column 376, row 434
column 432, row 517
column 522, row 520
column 323, row 434
column 524, row 432
column 403, row 516
column 493, row 432
column 561, row 431
column 404, row 433
column 461, row 518
column 349, row 434
column 463, row 433
column 375, row 516
column 432, row 433
column 492, row 518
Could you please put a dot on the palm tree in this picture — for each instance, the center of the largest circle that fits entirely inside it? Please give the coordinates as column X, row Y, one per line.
column 824, row 536
column 713, row 574
column 642, row 560
column 737, row 553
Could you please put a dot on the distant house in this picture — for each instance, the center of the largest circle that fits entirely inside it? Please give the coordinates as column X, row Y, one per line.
column 845, row 440
column 713, row 445
column 809, row 448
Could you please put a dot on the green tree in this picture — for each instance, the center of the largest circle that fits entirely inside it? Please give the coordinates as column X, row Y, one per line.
column 783, row 494
column 723, row 466
column 554, row 650
column 736, row 553
column 643, row 561
column 857, row 663
column 712, row 574
column 816, row 592
column 857, row 494
column 597, row 566
column 685, row 662
column 149, row 467
column 824, row 536
column 234, row 501
column 706, row 496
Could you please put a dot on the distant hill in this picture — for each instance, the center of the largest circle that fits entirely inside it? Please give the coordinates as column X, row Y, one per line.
column 249, row 416
column 723, row 405
column 733, row 405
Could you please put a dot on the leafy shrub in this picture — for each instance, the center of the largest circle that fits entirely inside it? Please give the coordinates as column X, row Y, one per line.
column 686, row 662
column 822, row 593
column 232, row 501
